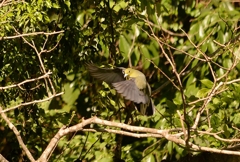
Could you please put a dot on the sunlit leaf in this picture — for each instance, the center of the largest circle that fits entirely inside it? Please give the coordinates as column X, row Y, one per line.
column 208, row 83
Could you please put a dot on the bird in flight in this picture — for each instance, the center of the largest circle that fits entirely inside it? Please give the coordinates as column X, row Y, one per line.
column 128, row 82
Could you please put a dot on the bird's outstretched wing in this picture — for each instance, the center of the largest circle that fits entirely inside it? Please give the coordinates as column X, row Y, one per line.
column 130, row 91
column 105, row 74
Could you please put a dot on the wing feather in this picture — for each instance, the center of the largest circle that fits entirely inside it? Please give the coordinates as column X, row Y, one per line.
column 105, row 74
column 130, row 91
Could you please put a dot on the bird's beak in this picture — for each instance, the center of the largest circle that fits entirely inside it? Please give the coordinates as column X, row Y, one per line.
column 125, row 75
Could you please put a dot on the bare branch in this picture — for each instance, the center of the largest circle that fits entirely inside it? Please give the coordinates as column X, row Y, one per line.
column 32, row 34
column 2, row 159
column 137, row 135
column 17, row 133
column 32, row 102
column 128, row 131
column 210, row 95
column 26, row 81
column 41, row 62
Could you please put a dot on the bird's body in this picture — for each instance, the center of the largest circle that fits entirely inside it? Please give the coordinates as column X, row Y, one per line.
column 130, row 83
column 139, row 77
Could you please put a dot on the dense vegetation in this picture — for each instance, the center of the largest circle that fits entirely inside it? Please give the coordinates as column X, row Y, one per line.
column 188, row 50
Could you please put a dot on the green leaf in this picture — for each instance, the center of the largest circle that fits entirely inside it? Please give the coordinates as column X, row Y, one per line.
column 170, row 147
column 150, row 158
column 178, row 99
column 153, row 47
column 208, row 83
column 203, row 92
column 221, row 37
column 211, row 46
column 194, row 29
column 136, row 56
column 145, row 56
column 48, row 4
column 68, row 3
column 55, row 5
column 124, row 47
column 226, row 131
column 171, row 105
column 204, row 47
column 179, row 149
column 39, row 16
column 222, row 25
column 70, row 96
column 191, row 90
column 227, row 63
column 205, row 23
column 201, row 32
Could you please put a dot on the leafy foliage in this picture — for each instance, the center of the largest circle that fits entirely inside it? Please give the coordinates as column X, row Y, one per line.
column 188, row 51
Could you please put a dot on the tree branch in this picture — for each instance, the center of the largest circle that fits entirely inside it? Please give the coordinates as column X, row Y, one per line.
column 17, row 133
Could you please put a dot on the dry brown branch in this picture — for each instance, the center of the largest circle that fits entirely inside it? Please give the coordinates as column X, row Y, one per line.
column 121, row 132
column 129, row 131
column 2, row 159
column 130, row 50
column 207, row 59
column 171, row 47
column 26, row 81
column 17, row 133
column 40, row 59
column 170, row 58
column 80, row 127
column 31, row 102
column 31, row 34
column 182, row 123
column 219, row 138
column 165, row 75
column 158, row 26
column 210, row 95
column 3, row 2
column 9, row 2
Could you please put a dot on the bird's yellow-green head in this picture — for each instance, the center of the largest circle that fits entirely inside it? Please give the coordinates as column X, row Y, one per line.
column 140, row 79
column 132, row 73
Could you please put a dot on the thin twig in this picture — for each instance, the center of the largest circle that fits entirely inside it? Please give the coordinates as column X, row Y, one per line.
column 31, row 102
column 17, row 133
column 26, row 81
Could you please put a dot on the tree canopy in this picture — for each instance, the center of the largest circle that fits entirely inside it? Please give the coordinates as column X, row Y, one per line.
column 52, row 109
